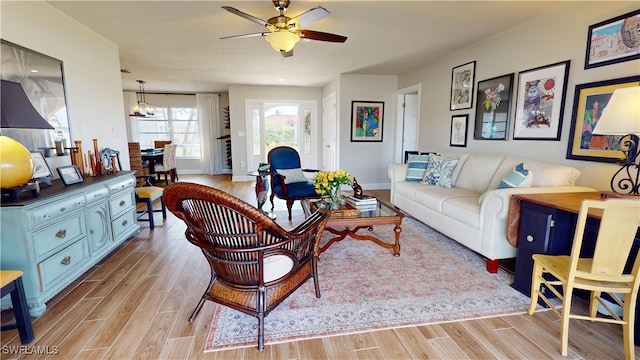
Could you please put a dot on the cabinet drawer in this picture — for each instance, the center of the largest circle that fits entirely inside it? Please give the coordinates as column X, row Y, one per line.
column 121, row 203
column 123, row 223
column 119, row 186
column 62, row 263
column 44, row 214
column 58, row 235
column 96, row 195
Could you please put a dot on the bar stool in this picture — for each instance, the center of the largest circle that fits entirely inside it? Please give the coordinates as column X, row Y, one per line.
column 11, row 281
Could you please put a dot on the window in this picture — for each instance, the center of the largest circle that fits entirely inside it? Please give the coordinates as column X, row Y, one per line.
column 178, row 123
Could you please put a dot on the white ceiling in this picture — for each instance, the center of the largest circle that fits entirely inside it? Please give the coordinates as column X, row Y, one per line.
column 175, row 46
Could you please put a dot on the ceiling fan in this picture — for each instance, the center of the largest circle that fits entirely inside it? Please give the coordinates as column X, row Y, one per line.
column 284, row 32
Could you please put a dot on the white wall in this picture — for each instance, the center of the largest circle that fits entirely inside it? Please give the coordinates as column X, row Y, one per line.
column 91, row 70
column 545, row 40
column 367, row 161
column 237, row 96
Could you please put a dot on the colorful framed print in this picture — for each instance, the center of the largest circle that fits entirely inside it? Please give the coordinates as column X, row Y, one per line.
column 493, row 108
column 540, row 102
column 613, row 41
column 589, row 102
column 458, row 135
column 462, row 80
column 367, row 120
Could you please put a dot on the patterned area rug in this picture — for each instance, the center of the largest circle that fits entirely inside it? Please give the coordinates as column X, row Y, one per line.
column 364, row 287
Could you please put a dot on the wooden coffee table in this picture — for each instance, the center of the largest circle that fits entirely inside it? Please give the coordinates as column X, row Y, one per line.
column 348, row 223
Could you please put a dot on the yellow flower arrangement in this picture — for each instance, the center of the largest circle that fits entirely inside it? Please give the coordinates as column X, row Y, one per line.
column 327, row 183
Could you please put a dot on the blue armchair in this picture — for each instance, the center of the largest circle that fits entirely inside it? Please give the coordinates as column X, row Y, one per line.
column 287, row 179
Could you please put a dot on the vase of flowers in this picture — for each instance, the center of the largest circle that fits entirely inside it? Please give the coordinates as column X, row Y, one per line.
column 327, row 185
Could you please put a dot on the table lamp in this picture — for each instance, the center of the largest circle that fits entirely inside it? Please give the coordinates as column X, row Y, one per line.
column 621, row 116
column 16, row 111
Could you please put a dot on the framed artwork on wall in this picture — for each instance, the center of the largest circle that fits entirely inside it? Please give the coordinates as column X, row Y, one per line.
column 458, row 135
column 462, row 80
column 613, row 41
column 493, row 108
column 367, row 120
column 589, row 101
column 540, row 102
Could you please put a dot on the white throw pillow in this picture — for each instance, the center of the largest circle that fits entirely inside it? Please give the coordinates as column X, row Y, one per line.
column 292, row 175
column 440, row 170
column 519, row 177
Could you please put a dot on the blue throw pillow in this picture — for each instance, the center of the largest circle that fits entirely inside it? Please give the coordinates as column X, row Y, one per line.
column 520, row 176
column 416, row 166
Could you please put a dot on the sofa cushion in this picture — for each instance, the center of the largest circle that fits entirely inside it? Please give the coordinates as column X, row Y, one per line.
column 440, row 170
column 408, row 189
column 464, row 209
column 519, row 176
column 478, row 172
column 416, row 166
column 433, row 196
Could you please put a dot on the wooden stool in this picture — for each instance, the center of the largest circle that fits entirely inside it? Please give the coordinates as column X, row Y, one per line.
column 11, row 281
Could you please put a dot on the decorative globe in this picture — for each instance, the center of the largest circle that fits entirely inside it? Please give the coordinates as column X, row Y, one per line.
column 16, row 166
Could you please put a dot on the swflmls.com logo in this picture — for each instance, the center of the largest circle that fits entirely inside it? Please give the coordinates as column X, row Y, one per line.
column 30, row 350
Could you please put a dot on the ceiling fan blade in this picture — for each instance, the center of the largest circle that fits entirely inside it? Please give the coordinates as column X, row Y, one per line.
column 287, row 54
column 322, row 36
column 244, row 35
column 309, row 17
column 245, row 15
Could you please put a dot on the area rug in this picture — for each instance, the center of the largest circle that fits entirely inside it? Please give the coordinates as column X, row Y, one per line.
column 364, row 287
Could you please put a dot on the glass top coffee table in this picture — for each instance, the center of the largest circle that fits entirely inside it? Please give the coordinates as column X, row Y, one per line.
column 347, row 223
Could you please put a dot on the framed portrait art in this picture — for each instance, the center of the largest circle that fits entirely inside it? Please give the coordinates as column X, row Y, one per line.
column 589, row 102
column 493, row 108
column 458, row 135
column 366, row 121
column 613, row 41
column 540, row 102
column 462, row 80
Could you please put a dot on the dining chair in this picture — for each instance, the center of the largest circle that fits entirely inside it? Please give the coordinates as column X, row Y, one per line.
column 145, row 191
column 255, row 264
column 287, row 177
column 11, row 283
column 168, row 165
column 159, row 144
column 605, row 272
column 135, row 159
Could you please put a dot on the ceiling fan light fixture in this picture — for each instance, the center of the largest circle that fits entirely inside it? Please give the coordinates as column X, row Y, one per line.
column 283, row 41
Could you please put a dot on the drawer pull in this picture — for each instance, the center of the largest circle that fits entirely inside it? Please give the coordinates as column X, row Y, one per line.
column 122, row 203
column 61, row 234
column 124, row 223
column 46, row 216
column 97, row 195
column 91, row 231
column 63, row 209
column 530, row 238
column 66, row 260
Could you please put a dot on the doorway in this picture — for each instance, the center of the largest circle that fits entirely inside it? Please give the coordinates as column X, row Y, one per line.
column 329, row 133
column 408, row 121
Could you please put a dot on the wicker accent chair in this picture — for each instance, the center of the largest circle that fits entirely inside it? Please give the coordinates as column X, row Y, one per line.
column 255, row 264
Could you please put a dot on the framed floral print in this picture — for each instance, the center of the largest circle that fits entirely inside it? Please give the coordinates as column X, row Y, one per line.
column 590, row 100
column 458, row 135
column 493, row 108
column 540, row 102
column 462, row 80
column 366, row 120
column 613, row 41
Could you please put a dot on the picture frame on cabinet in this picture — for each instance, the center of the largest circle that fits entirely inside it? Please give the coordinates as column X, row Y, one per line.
column 40, row 167
column 367, row 121
column 493, row 108
column 613, row 41
column 540, row 102
column 70, row 174
column 462, row 81
column 458, row 134
column 589, row 102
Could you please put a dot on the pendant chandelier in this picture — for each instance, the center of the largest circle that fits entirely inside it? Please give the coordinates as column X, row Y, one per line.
column 142, row 108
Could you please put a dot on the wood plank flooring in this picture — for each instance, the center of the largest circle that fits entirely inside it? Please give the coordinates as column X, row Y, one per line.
column 135, row 304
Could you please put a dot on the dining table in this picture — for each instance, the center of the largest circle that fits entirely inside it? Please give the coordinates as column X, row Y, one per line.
column 153, row 156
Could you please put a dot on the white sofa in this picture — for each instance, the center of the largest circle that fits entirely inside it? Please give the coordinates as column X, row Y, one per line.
column 456, row 212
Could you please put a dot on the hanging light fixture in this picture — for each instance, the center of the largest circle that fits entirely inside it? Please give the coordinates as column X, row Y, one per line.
column 142, row 108
column 283, row 40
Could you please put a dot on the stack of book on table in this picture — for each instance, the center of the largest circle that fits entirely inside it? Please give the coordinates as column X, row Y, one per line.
column 366, row 203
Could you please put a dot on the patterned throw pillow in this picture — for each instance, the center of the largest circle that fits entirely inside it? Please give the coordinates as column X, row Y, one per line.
column 519, row 177
column 416, row 166
column 440, row 170
column 292, row 175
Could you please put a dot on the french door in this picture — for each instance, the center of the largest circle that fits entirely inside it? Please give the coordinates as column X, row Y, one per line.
column 272, row 123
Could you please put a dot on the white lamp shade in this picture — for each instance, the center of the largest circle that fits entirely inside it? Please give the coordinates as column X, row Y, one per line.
column 621, row 116
column 283, row 40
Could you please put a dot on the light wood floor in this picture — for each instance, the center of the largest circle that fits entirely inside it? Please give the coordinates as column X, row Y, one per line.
column 136, row 302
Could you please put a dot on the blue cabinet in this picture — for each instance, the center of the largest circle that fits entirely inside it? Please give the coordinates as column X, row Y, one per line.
column 56, row 237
